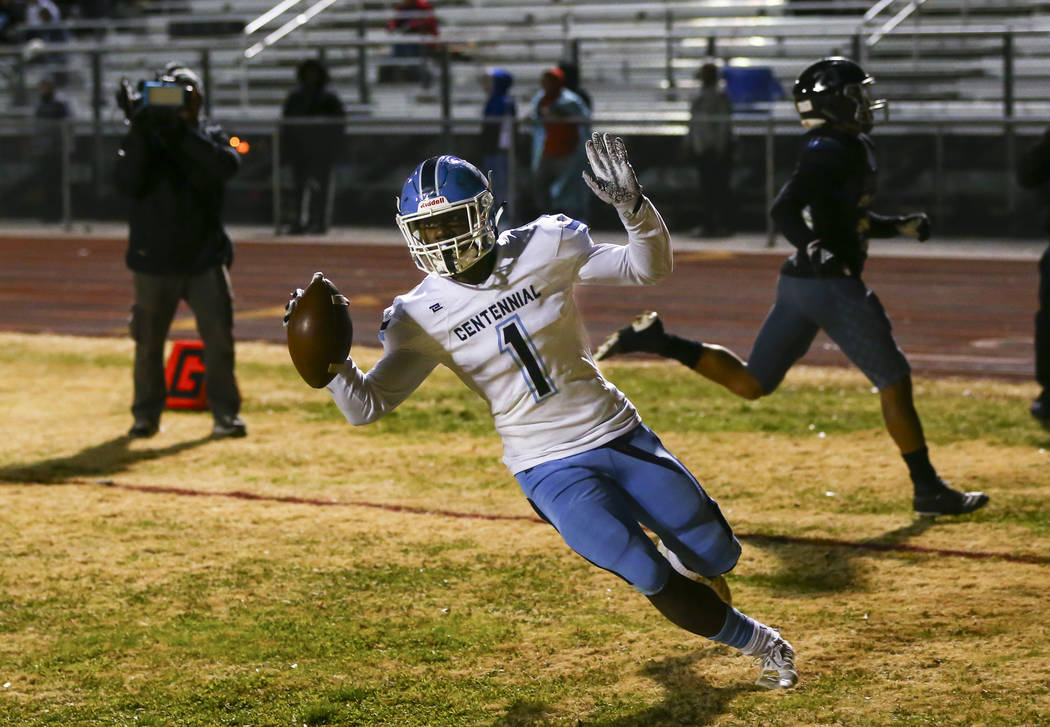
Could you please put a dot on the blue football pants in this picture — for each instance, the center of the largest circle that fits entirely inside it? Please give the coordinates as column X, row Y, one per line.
column 599, row 500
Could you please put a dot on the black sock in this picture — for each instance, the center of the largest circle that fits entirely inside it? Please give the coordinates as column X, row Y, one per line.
column 683, row 350
column 693, row 606
column 923, row 475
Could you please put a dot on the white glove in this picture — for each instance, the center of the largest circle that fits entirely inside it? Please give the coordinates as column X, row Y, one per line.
column 611, row 176
column 916, row 225
column 289, row 307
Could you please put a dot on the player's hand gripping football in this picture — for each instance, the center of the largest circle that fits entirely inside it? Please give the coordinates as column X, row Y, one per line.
column 611, row 176
column 293, row 300
column 320, row 331
column 916, row 225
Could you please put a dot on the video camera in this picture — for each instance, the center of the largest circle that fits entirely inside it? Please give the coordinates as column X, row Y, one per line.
column 165, row 93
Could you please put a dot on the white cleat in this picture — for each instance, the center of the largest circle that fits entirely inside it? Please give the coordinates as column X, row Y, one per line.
column 778, row 664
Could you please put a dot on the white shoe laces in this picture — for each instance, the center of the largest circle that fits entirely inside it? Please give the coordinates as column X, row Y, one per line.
column 777, row 664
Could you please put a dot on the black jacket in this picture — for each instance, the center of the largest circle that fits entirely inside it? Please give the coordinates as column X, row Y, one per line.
column 836, row 180
column 313, row 146
column 176, row 175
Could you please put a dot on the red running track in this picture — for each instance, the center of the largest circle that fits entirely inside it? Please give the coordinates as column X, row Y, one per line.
column 951, row 316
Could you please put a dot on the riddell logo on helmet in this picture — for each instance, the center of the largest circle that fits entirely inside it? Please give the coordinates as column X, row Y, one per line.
column 432, row 202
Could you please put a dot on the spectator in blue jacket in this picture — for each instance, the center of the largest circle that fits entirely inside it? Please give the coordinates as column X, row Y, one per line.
column 497, row 132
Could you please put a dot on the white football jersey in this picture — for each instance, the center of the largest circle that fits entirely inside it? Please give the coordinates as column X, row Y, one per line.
column 517, row 339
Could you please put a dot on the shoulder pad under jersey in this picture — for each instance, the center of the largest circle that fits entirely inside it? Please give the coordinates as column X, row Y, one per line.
column 828, row 149
column 398, row 325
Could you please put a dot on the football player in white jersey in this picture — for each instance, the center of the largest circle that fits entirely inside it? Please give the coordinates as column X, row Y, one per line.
column 499, row 311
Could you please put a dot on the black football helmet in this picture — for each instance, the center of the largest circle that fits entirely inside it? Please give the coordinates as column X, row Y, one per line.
column 835, row 90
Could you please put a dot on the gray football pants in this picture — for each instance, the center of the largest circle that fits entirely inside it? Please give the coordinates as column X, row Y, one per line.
column 210, row 297
column 846, row 310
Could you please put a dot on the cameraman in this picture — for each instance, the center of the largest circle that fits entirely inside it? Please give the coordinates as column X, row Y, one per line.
column 174, row 167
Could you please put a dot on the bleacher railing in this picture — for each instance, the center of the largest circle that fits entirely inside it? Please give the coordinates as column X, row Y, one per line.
column 20, row 66
column 960, row 172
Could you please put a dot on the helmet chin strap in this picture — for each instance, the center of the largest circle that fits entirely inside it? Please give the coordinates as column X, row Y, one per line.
column 499, row 211
column 479, row 272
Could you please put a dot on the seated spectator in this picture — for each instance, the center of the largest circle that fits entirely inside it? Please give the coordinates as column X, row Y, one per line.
column 412, row 17
column 44, row 21
column 12, row 16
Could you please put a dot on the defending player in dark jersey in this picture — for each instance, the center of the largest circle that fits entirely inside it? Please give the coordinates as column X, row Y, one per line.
column 820, row 286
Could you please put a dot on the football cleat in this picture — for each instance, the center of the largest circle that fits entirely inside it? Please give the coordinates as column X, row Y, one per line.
column 645, row 334
column 778, row 664
column 718, row 584
column 947, row 501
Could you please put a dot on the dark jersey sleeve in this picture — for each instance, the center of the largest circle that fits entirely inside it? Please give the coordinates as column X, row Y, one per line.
column 883, row 225
column 824, row 182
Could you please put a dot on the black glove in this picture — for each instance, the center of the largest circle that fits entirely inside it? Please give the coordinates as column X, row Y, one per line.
column 916, row 225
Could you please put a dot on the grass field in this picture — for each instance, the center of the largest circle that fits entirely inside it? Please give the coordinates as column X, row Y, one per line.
column 123, row 606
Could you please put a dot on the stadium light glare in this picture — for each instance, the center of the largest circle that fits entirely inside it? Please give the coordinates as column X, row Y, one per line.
column 300, row 19
column 269, row 15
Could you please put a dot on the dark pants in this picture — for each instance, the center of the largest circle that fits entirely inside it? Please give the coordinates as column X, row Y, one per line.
column 714, row 169
column 311, row 196
column 849, row 313
column 211, row 299
column 49, row 187
column 1042, row 325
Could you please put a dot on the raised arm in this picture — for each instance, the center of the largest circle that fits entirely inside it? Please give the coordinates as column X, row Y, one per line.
column 646, row 258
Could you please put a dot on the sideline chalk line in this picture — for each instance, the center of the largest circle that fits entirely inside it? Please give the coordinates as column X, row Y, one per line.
column 415, row 510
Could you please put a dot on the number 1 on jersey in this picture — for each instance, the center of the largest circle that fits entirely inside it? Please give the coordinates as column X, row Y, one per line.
column 515, row 340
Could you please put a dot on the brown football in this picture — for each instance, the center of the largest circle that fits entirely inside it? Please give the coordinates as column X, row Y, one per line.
column 320, row 332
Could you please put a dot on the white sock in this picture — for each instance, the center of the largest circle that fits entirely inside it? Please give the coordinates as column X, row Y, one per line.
column 759, row 641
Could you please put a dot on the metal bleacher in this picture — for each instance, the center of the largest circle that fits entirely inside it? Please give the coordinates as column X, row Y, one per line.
column 946, row 56
column 636, row 58
column 637, row 55
column 644, row 55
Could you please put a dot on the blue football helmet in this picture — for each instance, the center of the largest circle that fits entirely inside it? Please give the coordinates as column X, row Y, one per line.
column 446, row 213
